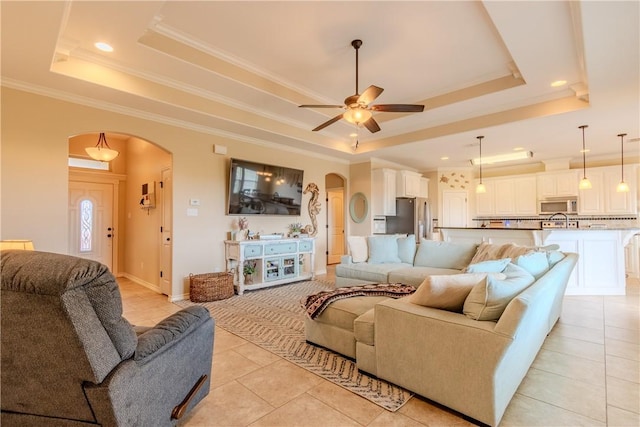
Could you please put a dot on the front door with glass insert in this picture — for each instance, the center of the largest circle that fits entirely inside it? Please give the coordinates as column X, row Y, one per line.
column 90, row 221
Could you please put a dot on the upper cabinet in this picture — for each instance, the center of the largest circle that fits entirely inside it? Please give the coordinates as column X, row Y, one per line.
column 508, row 196
column 485, row 202
column 557, row 184
column 408, row 184
column 383, row 192
column 602, row 198
column 424, row 187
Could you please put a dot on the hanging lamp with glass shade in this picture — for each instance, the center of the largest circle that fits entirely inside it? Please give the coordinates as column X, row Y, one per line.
column 623, row 187
column 480, row 188
column 102, row 151
column 585, row 184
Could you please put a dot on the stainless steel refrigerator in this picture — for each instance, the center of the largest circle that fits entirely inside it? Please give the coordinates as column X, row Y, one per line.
column 413, row 216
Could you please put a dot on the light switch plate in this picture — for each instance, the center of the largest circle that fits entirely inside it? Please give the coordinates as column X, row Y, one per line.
column 194, row 202
column 192, row 212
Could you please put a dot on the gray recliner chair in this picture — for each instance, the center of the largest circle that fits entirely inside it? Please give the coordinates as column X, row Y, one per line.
column 69, row 358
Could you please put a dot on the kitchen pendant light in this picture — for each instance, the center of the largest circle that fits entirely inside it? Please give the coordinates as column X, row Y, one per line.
column 623, row 187
column 480, row 187
column 585, row 184
column 102, row 151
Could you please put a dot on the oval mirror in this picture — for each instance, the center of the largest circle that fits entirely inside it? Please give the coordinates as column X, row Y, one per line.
column 358, row 207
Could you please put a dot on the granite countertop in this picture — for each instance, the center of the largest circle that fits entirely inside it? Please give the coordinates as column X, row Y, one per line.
column 540, row 229
column 487, row 228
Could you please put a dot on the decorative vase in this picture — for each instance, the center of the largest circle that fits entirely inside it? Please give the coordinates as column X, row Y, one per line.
column 248, row 279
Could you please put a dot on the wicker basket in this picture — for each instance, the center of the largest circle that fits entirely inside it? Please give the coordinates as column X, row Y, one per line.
column 210, row 286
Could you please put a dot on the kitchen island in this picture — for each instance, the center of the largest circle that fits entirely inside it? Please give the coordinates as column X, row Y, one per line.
column 601, row 266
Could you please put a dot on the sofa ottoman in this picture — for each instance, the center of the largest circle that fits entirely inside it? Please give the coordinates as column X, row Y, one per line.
column 335, row 328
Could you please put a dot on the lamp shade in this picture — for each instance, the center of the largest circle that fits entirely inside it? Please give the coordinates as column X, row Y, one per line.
column 585, row 184
column 622, row 187
column 357, row 115
column 102, row 151
column 25, row 245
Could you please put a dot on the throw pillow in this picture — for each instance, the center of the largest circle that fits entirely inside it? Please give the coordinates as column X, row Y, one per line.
column 383, row 249
column 438, row 254
column 407, row 248
column 358, row 248
column 535, row 263
column 493, row 266
column 447, row 292
column 487, row 300
column 490, row 251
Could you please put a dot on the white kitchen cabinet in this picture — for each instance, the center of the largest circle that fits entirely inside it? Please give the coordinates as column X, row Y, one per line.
column 620, row 203
column 383, row 192
column 508, row 196
column 591, row 201
column 602, row 198
column 557, row 184
column 408, row 184
column 525, row 195
column 424, row 187
column 485, row 202
column 632, row 257
column 601, row 267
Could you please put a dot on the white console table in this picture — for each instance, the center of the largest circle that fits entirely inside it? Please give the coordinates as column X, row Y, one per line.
column 277, row 261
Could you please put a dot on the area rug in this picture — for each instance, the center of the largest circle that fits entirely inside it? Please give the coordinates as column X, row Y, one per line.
column 273, row 319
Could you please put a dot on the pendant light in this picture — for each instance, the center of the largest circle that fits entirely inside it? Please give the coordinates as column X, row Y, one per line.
column 623, row 187
column 480, row 188
column 585, row 184
column 102, row 151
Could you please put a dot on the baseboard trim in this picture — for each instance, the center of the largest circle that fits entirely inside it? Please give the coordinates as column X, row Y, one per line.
column 141, row 282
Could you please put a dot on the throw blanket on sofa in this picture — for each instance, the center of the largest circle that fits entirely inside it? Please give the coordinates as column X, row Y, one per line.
column 316, row 303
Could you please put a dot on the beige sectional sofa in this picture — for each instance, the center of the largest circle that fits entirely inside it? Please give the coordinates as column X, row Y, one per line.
column 447, row 355
column 398, row 259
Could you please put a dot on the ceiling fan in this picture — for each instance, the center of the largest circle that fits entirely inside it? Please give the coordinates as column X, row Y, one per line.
column 358, row 111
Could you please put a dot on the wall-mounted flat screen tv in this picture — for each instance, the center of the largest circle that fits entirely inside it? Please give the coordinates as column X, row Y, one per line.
column 261, row 189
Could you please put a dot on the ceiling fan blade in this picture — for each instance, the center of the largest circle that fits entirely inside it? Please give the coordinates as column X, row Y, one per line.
column 398, row 108
column 370, row 93
column 328, row 122
column 320, row 106
column 372, row 125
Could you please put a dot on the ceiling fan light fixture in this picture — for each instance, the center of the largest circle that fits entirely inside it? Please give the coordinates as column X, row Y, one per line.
column 357, row 115
column 102, row 151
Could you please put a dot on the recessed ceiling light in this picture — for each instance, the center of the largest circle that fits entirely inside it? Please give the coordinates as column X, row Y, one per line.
column 105, row 47
column 353, row 135
column 518, row 149
column 586, row 150
column 558, row 83
column 444, row 158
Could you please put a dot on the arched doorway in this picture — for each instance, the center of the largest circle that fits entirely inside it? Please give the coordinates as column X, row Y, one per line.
column 140, row 226
column 335, row 185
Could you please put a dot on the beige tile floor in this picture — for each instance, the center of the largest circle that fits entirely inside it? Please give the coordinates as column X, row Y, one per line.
column 586, row 374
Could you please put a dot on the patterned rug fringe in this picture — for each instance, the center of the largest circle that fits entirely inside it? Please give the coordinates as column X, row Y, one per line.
column 273, row 319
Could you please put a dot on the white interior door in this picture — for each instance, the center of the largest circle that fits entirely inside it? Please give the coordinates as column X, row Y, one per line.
column 166, row 229
column 91, row 221
column 454, row 209
column 335, row 224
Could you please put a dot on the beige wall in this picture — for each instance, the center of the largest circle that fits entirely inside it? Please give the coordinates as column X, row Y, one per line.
column 360, row 175
column 145, row 163
column 33, row 179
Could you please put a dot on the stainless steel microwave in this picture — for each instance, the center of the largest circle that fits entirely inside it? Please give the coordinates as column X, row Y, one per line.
column 566, row 205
